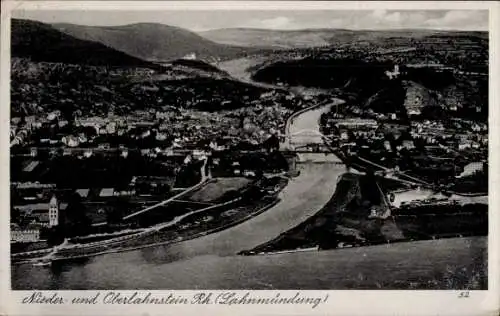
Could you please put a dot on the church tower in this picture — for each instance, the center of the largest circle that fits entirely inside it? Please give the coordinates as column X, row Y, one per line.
column 53, row 212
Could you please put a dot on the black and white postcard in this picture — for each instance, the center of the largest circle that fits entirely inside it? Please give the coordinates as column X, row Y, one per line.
column 251, row 158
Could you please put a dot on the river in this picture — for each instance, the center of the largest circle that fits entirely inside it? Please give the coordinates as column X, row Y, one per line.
column 436, row 264
column 304, row 128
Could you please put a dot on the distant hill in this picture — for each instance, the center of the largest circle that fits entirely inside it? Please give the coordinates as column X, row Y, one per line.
column 269, row 38
column 153, row 41
column 41, row 42
column 323, row 37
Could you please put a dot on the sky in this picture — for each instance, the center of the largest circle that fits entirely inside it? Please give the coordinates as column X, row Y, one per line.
column 469, row 20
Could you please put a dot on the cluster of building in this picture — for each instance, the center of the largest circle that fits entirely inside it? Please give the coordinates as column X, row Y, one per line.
column 36, row 216
column 470, row 136
column 428, row 202
column 166, row 127
column 35, row 213
column 428, row 148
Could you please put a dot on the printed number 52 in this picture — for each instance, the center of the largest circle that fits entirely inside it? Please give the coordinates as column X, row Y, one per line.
column 463, row 294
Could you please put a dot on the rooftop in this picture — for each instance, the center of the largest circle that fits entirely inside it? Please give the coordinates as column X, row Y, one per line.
column 31, row 166
column 106, row 192
column 83, row 192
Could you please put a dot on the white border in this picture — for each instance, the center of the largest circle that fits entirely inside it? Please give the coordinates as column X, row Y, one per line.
column 251, row 5
column 340, row 302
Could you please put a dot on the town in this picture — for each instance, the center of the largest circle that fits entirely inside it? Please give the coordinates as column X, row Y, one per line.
column 115, row 165
column 126, row 151
column 81, row 173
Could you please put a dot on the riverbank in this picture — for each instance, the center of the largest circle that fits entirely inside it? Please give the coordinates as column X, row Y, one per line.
column 107, row 238
column 143, row 245
column 251, row 200
column 162, row 234
column 352, row 218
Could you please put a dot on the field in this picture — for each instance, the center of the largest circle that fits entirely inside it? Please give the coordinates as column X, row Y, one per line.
column 97, row 211
column 215, row 190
